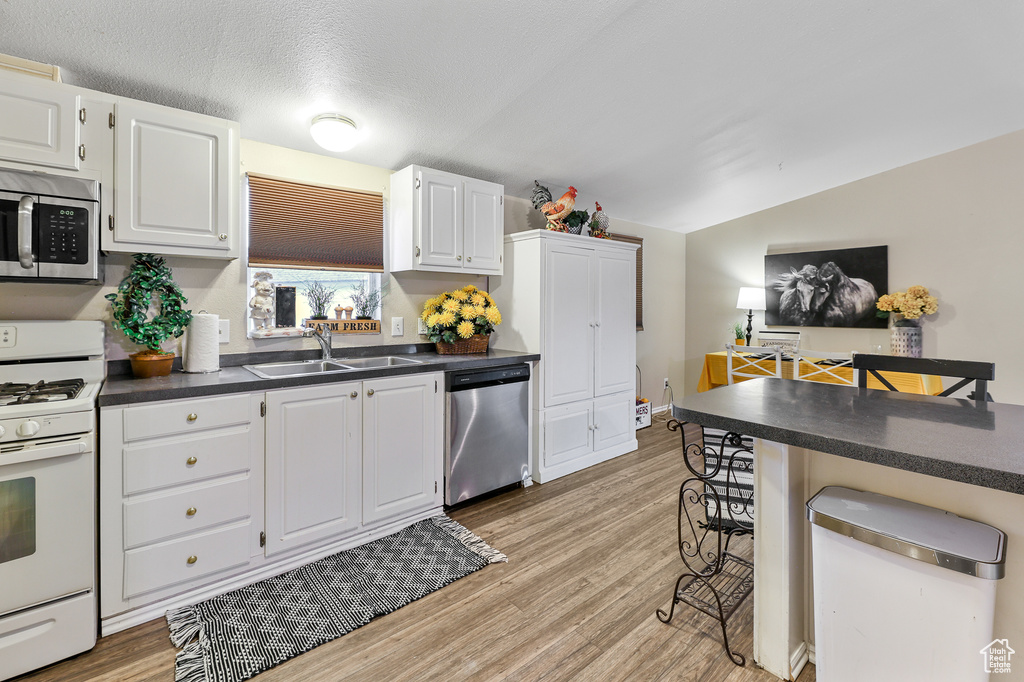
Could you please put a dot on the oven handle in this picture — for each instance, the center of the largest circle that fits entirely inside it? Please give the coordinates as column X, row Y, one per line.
column 25, row 231
column 48, row 451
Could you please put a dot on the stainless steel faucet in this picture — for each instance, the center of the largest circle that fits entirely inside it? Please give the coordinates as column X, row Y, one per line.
column 323, row 338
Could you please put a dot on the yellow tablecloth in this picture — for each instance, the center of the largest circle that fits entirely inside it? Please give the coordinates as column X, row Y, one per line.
column 715, row 374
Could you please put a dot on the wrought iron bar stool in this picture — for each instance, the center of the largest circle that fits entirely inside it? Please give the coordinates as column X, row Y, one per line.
column 716, row 505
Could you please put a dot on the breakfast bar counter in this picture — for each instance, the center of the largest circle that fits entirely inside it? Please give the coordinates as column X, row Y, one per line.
column 962, row 456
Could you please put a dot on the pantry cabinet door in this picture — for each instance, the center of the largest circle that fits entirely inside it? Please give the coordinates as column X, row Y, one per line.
column 313, row 439
column 38, row 122
column 568, row 340
column 177, row 182
column 441, row 218
column 614, row 323
column 484, row 227
column 401, row 445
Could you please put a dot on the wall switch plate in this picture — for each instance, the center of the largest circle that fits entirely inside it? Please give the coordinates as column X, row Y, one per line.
column 421, row 326
column 224, row 328
column 397, row 326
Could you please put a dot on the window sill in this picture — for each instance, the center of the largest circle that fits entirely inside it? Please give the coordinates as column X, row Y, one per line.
column 277, row 333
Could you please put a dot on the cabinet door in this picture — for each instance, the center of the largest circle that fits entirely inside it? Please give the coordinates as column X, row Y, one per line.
column 177, row 182
column 39, row 123
column 613, row 420
column 401, row 446
column 441, row 220
column 484, row 226
column 568, row 433
column 615, row 325
column 568, row 346
column 313, row 445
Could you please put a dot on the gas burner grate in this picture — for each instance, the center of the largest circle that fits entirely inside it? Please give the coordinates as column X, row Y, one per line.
column 40, row 392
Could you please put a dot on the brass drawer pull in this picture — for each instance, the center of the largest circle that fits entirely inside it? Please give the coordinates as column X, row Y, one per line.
column 191, row 460
column 191, row 560
column 369, row 392
column 355, row 394
column 192, row 417
column 191, row 511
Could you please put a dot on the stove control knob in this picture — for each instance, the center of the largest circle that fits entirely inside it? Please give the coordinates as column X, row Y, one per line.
column 2, row 431
column 28, row 429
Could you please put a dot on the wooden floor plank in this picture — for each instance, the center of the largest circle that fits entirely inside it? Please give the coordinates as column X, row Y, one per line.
column 591, row 557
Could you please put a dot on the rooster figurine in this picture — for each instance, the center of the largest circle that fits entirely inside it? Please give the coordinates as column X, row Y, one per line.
column 555, row 211
column 541, row 195
column 599, row 223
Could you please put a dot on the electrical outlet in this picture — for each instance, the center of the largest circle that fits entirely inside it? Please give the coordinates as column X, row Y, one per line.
column 224, row 331
column 421, row 326
column 397, row 326
column 666, row 382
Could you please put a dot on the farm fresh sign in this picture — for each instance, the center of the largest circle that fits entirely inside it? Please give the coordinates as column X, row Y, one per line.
column 346, row 326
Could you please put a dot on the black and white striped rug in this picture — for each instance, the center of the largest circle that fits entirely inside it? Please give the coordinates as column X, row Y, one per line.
column 242, row 633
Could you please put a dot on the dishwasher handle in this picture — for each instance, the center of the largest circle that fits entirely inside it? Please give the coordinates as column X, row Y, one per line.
column 489, row 376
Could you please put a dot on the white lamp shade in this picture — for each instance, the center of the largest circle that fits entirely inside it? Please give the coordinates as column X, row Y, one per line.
column 334, row 132
column 751, row 298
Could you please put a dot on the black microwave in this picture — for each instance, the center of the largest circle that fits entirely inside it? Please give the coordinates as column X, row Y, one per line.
column 49, row 228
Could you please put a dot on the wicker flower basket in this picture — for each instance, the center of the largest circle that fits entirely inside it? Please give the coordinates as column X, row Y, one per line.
column 474, row 344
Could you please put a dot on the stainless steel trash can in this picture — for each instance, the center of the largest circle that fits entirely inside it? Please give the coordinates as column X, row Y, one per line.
column 901, row 591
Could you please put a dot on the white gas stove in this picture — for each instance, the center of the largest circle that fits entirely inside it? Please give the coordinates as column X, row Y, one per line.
column 50, row 375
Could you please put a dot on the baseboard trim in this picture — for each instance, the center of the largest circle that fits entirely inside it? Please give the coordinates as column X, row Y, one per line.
column 798, row 659
column 144, row 614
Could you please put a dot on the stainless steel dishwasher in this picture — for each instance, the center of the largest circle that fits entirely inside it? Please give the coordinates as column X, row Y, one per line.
column 487, row 430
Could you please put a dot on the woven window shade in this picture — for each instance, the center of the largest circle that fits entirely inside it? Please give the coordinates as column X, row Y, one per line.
column 639, row 275
column 297, row 225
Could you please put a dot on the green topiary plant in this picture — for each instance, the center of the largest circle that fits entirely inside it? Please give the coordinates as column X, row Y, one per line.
column 149, row 275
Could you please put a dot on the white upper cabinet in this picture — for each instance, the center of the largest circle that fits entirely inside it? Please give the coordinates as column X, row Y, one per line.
column 39, row 122
column 177, row 179
column 441, row 222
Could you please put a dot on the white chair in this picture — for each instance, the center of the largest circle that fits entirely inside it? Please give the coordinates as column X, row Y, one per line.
column 744, row 362
column 820, row 365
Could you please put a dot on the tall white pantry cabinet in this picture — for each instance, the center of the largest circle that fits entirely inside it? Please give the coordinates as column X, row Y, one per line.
column 572, row 299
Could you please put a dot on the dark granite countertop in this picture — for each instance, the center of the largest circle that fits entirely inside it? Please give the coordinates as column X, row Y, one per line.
column 959, row 440
column 123, row 389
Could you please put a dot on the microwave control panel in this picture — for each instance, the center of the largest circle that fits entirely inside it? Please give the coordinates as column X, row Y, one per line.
column 63, row 234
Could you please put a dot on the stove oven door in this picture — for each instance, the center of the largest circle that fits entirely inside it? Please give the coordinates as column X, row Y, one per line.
column 47, row 520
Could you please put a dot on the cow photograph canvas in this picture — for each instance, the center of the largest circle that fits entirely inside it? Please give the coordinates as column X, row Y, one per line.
column 835, row 288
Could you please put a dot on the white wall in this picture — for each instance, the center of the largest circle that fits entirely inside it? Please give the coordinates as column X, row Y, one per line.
column 953, row 223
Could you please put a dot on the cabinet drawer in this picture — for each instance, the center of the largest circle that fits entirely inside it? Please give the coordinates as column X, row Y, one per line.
column 152, row 520
column 163, row 463
column 163, row 565
column 184, row 416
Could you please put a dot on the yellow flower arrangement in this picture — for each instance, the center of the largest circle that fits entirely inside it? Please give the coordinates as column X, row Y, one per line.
column 911, row 304
column 461, row 313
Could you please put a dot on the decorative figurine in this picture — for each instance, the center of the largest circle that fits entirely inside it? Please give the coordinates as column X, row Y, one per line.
column 556, row 211
column 261, row 305
column 541, row 195
column 599, row 223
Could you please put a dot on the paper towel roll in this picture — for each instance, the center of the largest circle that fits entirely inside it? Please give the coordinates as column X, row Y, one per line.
column 202, row 344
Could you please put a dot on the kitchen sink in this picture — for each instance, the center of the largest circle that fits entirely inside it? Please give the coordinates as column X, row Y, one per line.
column 276, row 370
column 384, row 361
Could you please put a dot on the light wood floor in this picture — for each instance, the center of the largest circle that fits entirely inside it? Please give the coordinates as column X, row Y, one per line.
column 591, row 556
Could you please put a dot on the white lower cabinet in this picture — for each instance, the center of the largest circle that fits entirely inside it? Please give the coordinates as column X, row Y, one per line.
column 583, row 433
column 314, row 438
column 199, row 496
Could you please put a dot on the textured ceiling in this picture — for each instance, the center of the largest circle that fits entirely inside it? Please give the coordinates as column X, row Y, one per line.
column 676, row 114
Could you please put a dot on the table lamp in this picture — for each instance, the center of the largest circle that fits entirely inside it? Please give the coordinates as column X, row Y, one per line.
column 750, row 299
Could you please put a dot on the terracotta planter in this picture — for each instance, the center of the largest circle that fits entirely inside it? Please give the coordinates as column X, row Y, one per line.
column 149, row 363
column 474, row 344
column 739, row 342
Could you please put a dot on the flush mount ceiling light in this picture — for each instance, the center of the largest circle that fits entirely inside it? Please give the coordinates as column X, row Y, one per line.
column 334, row 132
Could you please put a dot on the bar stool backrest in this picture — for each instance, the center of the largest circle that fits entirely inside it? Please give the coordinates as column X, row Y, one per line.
column 966, row 370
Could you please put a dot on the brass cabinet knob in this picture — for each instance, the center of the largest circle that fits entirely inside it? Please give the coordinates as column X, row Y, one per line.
column 458, row 258
column 355, row 394
column 192, row 417
column 191, row 511
column 191, row 460
column 369, row 392
column 222, row 236
column 469, row 258
column 191, row 560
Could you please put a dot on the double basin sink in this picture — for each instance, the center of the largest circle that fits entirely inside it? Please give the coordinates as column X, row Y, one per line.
column 278, row 370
